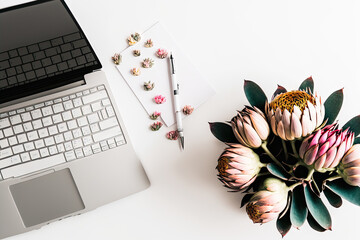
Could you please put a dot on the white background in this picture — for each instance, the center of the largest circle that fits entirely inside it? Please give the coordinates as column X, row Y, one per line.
column 268, row 42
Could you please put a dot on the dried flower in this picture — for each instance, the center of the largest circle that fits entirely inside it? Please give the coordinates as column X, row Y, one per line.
column 161, row 53
column 349, row 167
column 147, row 63
column 134, row 38
column 135, row 71
column 136, row 53
column 148, row 86
column 172, row 135
column 187, row 110
column 155, row 115
column 159, row 99
column 116, row 58
column 156, row 126
column 149, row 43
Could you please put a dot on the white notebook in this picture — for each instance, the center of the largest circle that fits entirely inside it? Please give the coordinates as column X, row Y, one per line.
column 194, row 89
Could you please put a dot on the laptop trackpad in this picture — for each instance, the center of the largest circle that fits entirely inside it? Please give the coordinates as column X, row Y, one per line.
column 47, row 197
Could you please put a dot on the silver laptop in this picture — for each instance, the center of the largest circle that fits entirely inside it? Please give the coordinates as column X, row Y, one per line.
column 63, row 146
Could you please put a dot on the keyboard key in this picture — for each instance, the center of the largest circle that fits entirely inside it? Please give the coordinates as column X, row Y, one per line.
column 47, row 111
column 68, row 136
column 111, row 143
column 68, row 146
column 62, row 127
column 39, row 55
column 15, row 119
column 53, row 150
column 60, row 147
column 105, row 102
column 77, row 133
column 47, row 121
column 110, row 111
column 58, row 108
column 36, row 114
column 110, row 122
column 7, row 152
column 82, row 121
column 18, row 129
column 96, row 106
column 86, row 130
column 77, row 143
column 18, row 149
column 43, row 133
column 70, row 155
column 33, row 48
column 120, row 140
column 44, row 152
column 87, row 140
column 44, row 45
column 37, row 124
column 109, row 133
column 10, row 161
column 93, row 118
column 96, row 148
column 66, row 115
column 12, row 140
column 4, row 56
column 72, row 37
column 22, row 138
column 33, row 135
column 27, row 58
column 28, row 126
column 29, row 146
column 57, row 118
column 79, row 153
column 94, row 128
column 39, row 144
column 4, row 123
column 26, row 116
column 25, row 157
column 32, row 166
column 72, row 124
column 68, row 105
column 8, row 132
column 86, row 110
column 94, row 97
column 76, row 112
column 53, row 130
column 87, row 151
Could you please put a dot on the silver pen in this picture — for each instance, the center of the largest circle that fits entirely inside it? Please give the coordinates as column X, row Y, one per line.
column 175, row 88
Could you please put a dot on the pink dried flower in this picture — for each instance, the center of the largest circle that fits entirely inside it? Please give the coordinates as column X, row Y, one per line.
column 136, row 53
column 155, row 115
column 147, row 63
column 148, row 86
column 116, row 58
column 156, row 126
column 149, row 43
column 187, row 110
column 172, row 135
column 161, row 53
column 135, row 71
column 159, row 99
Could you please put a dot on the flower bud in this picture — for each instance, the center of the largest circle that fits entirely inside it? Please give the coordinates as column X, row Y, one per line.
column 266, row 204
column 349, row 167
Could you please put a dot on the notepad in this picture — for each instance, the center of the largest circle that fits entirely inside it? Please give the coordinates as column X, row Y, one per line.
column 194, row 89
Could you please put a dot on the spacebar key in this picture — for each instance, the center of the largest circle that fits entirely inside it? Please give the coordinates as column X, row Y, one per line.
column 108, row 133
column 33, row 166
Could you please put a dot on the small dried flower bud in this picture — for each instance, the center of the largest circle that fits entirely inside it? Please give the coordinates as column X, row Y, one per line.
column 147, row 63
column 161, row 53
column 136, row 37
column 148, row 86
column 155, row 115
column 135, row 71
column 136, row 53
column 172, row 135
column 131, row 41
column 116, row 58
column 159, row 99
column 156, row 126
column 187, row 110
column 149, row 43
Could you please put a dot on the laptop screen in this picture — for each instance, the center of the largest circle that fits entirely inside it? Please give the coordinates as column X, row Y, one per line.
column 41, row 47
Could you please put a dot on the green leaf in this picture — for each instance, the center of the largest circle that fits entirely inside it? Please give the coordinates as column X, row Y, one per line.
column 278, row 171
column 279, row 90
column 313, row 224
column 334, row 199
column 223, row 132
column 283, row 224
column 317, row 208
column 255, row 95
column 298, row 210
column 350, row 193
column 354, row 125
column 246, row 199
column 307, row 84
column 333, row 105
column 357, row 140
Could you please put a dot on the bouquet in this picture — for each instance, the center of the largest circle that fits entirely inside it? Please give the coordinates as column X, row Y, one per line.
column 287, row 153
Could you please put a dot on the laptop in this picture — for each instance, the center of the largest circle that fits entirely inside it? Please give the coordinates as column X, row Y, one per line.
column 63, row 146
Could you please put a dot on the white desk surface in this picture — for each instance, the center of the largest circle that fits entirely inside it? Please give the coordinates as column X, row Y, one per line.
column 268, row 42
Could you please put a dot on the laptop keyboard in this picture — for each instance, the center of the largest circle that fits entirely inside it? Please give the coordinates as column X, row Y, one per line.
column 57, row 131
column 45, row 59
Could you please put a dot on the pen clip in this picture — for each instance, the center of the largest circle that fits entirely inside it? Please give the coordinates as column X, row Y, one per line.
column 172, row 64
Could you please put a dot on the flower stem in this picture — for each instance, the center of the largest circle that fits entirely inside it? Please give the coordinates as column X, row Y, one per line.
column 285, row 149
column 316, row 186
column 294, row 186
column 311, row 172
column 294, row 149
column 333, row 178
column 263, row 145
column 263, row 174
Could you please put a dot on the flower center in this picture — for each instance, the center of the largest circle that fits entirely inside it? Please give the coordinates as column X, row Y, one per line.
column 290, row 99
column 253, row 212
column 223, row 165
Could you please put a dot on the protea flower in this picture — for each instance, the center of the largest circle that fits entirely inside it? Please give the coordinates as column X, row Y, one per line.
column 296, row 114
column 250, row 127
column 238, row 167
column 325, row 148
column 266, row 204
column 349, row 167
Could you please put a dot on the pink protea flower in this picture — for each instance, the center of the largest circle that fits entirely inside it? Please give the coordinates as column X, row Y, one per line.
column 250, row 127
column 162, row 53
column 266, row 204
column 159, row 99
column 135, row 71
column 156, row 126
column 155, row 115
column 149, row 43
column 147, row 63
column 187, row 110
column 324, row 149
column 238, row 167
column 349, row 167
column 172, row 135
column 116, row 58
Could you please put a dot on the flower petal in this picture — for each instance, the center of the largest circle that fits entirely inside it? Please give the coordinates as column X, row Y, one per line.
column 251, row 136
column 286, row 121
column 280, row 130
column 296, row 129
column 310, row 155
